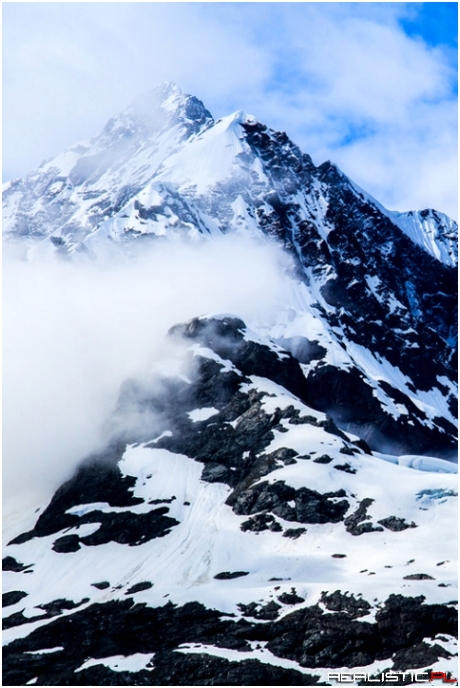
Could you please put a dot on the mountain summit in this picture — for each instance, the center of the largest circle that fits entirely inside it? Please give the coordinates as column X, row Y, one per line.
column 162, row 107
column 276, row 501
column 166, row 135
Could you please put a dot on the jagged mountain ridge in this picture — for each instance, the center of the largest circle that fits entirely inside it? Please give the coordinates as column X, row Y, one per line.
column 374, row 292
column 143, row 143
column 238, row 537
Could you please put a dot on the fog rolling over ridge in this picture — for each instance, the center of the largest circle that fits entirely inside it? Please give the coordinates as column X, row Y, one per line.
column 219, row 356
column 75, row 332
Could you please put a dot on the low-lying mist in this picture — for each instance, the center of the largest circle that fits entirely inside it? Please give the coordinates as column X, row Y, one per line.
column 74, row 331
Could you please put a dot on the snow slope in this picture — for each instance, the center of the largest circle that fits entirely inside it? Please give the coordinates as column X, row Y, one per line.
column 283, row 515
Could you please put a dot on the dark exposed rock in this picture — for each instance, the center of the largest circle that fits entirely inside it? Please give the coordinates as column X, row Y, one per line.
column 126, row 528
column 291, row 597
column 396, row 524
column 331, row 427
column 306, row 635
column 313, row 507
column 99, row 675
column 346, row 396
column 418, row 576
column 225, row 337
column 314, row 639
column 362, row 444
column 335, row 640
column 227, row 575
column 323, row 459
column 283, row 455
column 102, row 585
column 348, row 450
column 11, row 564
column 161, row 501
column 346, row 468
column 138, row 587
column 17, row 619
column 418, row 656
column 98, row 479
column 405, row 621
column 294, row 533
column 263, row 497
column 346, row 603
column 53, row 608
column 215, row 473
column 231, row 453
column 57, row 606
column 309, row 506
column 261, row 522
column 354, row 522
column 12, row 597
column 67, row 543
column 267, row 612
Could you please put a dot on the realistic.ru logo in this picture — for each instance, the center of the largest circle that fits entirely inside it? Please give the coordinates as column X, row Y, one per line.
column 389, row 677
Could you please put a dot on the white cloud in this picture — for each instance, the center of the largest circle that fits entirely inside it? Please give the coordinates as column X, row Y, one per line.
column 343, row 79
column 74, row 332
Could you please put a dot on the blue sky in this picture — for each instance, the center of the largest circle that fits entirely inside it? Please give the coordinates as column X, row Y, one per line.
column 371, row 86
column 434, row 22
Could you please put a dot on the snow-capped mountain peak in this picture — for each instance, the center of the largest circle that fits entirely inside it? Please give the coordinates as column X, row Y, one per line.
column 276, row 496
column 380, row 284
column 164, row 105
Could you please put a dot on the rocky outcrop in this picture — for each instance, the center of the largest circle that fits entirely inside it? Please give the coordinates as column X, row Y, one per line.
column 308, row 636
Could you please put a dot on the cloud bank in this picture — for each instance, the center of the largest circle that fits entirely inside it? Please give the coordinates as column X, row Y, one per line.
column 73, row 333
column 345, row 80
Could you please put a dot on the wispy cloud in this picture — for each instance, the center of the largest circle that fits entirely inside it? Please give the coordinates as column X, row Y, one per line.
column 74, row 332
column 345, row 80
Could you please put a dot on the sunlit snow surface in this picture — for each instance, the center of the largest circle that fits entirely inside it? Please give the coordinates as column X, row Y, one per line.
column 131, row 663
